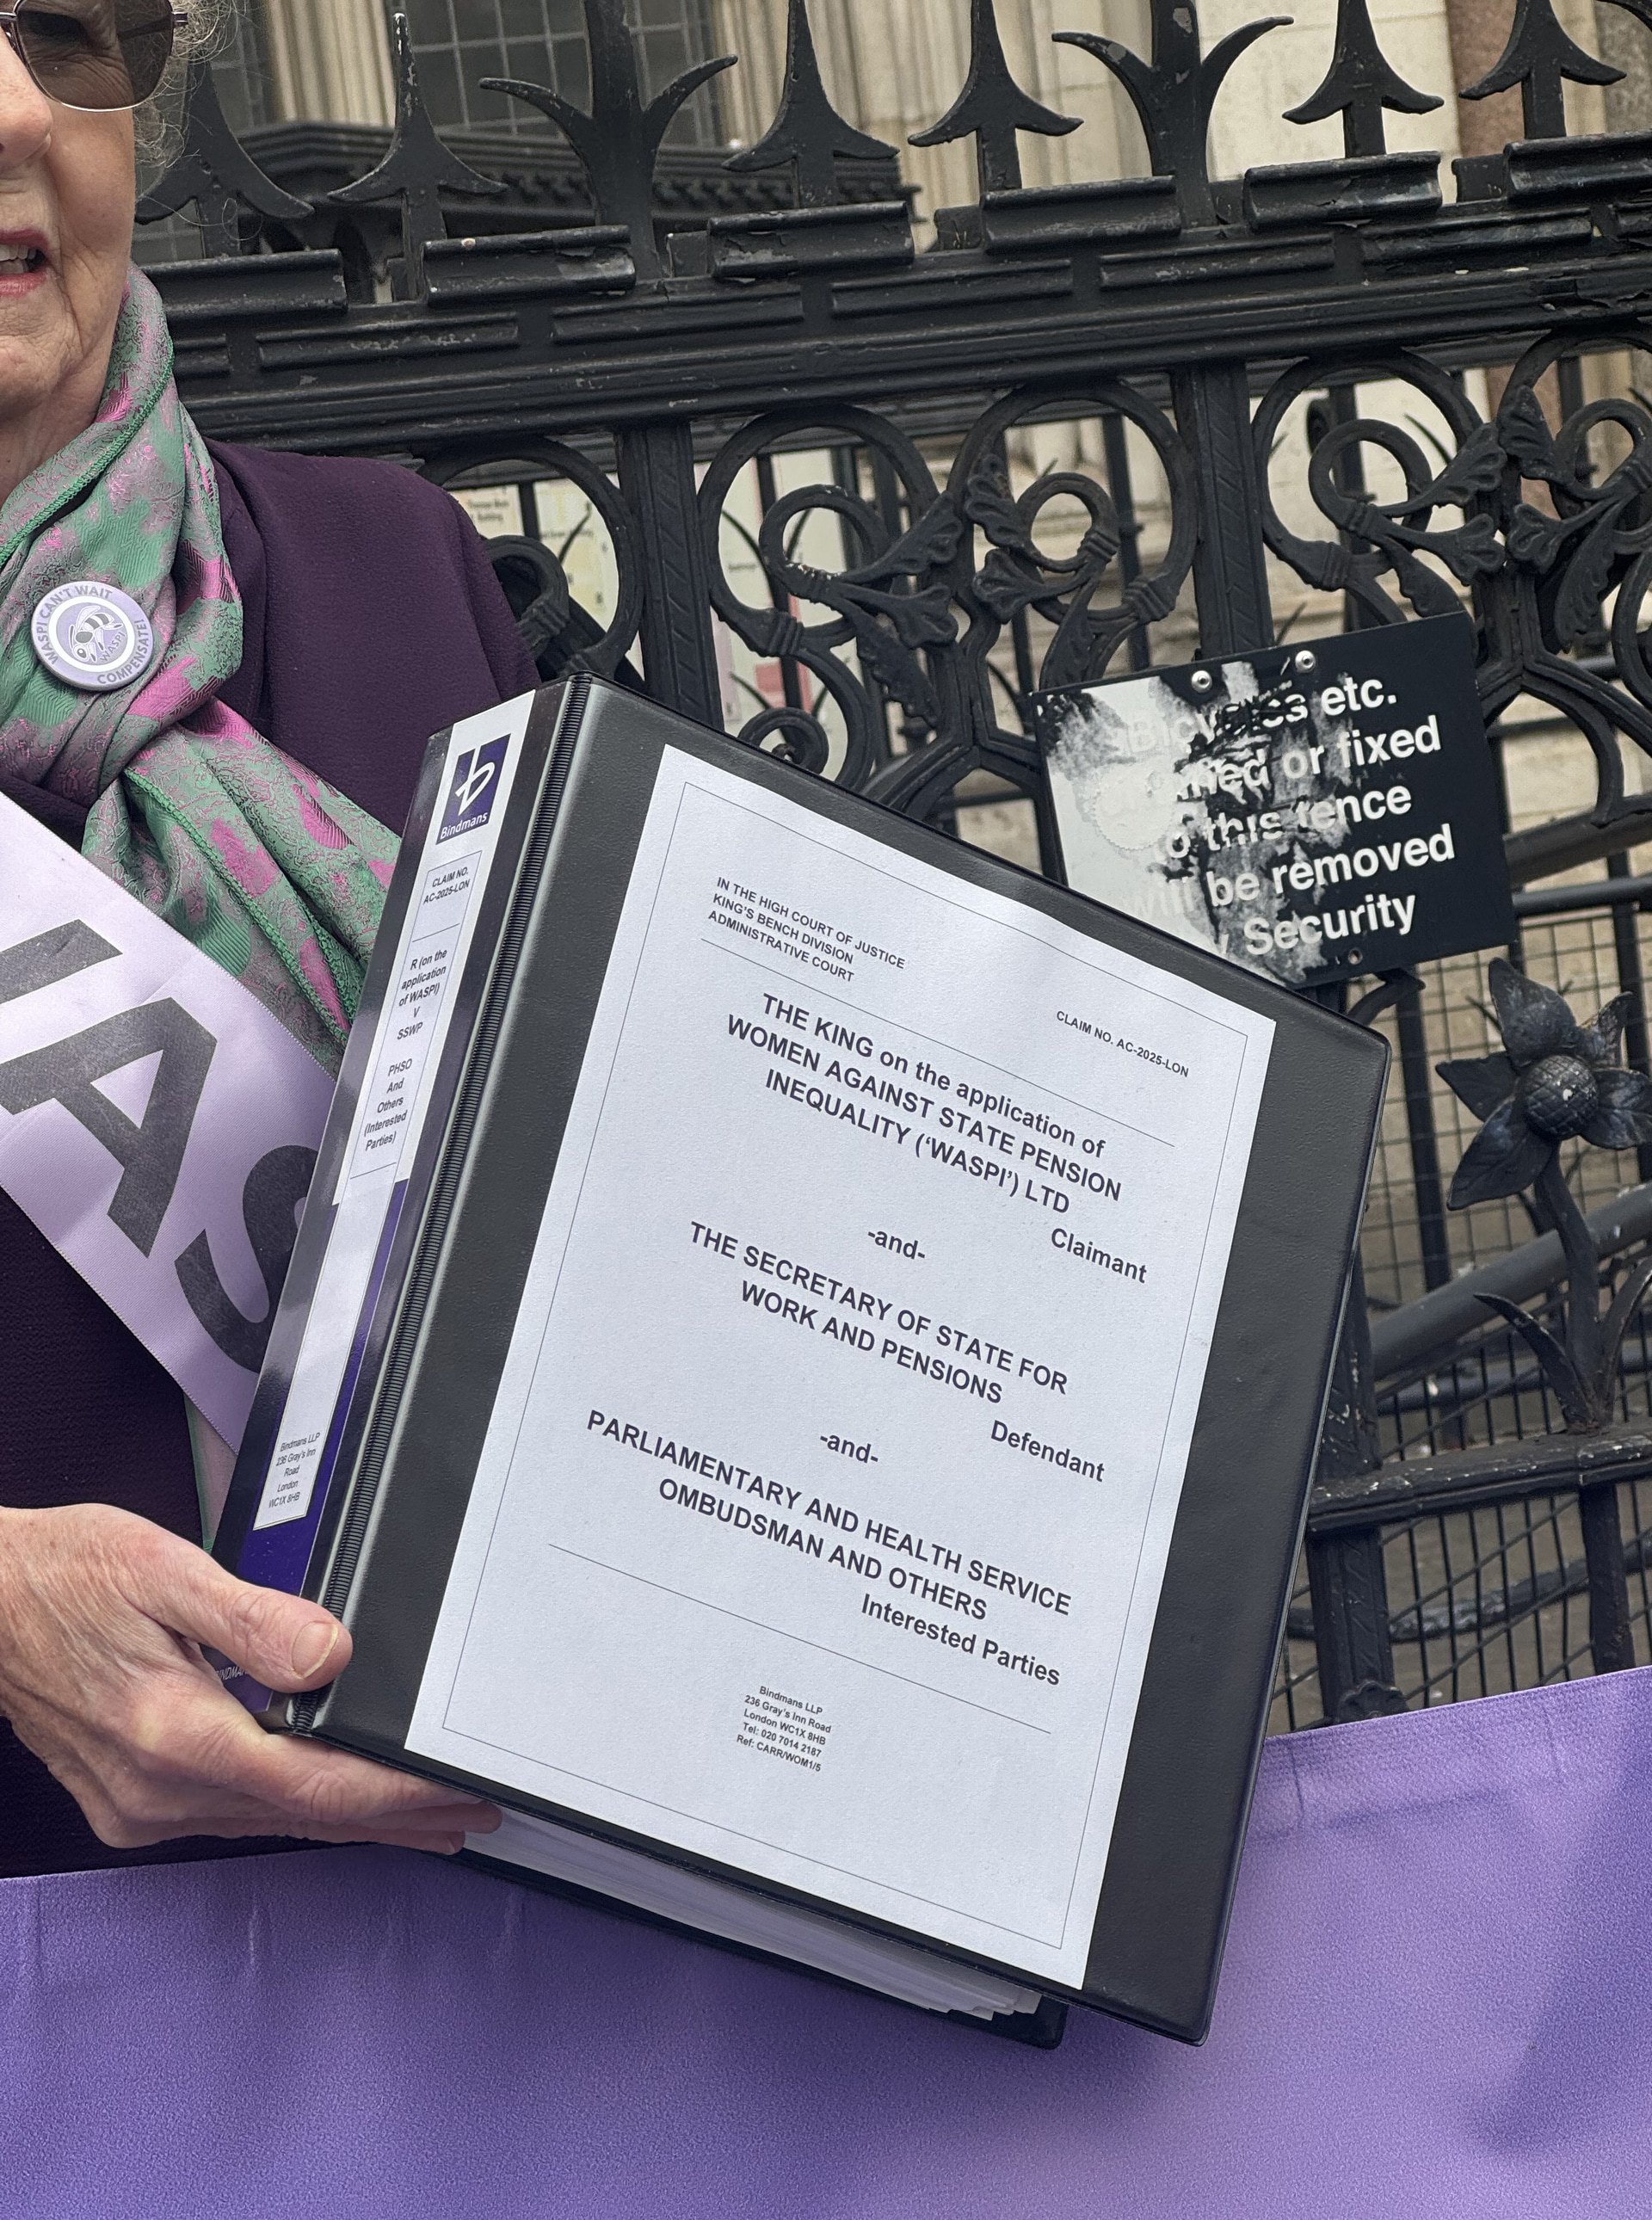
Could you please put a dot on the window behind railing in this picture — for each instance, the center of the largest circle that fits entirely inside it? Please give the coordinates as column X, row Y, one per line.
column 459, row 42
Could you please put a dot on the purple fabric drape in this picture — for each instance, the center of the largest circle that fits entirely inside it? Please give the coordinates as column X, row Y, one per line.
column 372, row 620
column 1435, row 2001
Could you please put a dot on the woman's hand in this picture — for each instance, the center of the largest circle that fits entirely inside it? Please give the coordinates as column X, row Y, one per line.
column 102, row 1620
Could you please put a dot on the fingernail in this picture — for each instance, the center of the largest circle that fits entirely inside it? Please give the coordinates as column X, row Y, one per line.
column 312, row 1646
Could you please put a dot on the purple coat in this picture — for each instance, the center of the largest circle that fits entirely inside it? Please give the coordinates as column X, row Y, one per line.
column 372, row 620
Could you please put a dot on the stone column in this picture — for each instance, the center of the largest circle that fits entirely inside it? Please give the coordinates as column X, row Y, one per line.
column 1480, row 30
column 330, row 60
column 756, row 31
column 1627, row 46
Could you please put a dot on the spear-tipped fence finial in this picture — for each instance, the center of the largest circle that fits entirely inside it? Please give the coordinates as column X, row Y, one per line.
column 1359, row 84
column 416, row 170
column 808, row 135
column 618, row 142
column 1174, row 91
column 1541, row 58
column 992, row 108
column 215, row 172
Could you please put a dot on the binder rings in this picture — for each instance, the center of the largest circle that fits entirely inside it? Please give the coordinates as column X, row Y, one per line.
column 802, row 1369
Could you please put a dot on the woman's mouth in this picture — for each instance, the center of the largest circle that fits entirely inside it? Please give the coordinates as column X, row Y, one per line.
column 23, row 265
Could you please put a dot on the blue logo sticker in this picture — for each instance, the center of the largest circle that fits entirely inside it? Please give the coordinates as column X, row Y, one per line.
column 475, row 784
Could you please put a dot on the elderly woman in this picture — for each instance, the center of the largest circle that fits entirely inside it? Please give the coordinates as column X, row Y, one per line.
column 312, row 622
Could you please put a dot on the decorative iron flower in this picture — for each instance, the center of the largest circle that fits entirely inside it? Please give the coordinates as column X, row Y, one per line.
column 1556, row 1081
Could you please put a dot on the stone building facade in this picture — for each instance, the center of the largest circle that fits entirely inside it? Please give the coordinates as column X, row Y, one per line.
column 894, row 65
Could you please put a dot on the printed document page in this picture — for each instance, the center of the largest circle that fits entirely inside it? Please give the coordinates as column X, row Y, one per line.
column 823, row 1514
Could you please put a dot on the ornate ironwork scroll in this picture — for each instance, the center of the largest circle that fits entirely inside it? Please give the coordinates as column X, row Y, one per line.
column 858, row 500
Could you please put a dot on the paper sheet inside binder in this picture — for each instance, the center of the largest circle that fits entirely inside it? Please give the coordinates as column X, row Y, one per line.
column 893, row 1969
column 905, row 1685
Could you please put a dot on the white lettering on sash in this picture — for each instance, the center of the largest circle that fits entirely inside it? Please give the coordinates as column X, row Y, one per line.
column 157, row 1124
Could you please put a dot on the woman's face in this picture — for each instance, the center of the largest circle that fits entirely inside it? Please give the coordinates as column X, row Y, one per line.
column 66, row 196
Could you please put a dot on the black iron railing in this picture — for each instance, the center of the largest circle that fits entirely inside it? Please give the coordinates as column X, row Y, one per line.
column 858, row 501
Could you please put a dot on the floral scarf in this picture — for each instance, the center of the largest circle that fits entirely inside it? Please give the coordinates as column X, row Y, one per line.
column 262, row 865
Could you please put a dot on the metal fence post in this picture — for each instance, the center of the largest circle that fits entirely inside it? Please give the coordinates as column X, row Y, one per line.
column 657, row 477
column 1212, row 413
column 1347, row 1581
column 1611, row 1634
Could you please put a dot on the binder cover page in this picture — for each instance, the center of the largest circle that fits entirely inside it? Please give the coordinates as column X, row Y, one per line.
column 824, row 1505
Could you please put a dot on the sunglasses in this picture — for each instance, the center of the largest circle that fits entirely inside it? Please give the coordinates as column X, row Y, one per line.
column 94, row 53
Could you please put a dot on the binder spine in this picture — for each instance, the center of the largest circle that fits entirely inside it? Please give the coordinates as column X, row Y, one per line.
column 293, row 1479
column 356, row 1516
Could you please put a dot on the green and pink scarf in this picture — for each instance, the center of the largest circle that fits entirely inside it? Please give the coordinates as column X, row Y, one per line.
column 260, row 865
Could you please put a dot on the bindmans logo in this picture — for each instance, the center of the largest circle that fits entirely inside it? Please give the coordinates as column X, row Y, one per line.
column 476, row 786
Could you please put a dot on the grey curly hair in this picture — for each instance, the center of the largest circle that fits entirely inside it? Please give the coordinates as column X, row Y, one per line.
column 156, row 123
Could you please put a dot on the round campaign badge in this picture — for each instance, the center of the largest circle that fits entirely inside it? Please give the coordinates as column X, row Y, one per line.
column 93, row 636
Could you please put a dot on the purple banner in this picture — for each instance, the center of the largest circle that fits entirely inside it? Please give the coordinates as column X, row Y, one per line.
column 1435, row 2000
